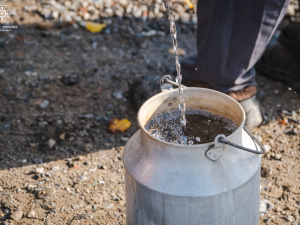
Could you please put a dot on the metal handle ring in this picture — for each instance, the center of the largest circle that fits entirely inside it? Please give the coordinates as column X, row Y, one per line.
column 262, row 149
column 167, row 79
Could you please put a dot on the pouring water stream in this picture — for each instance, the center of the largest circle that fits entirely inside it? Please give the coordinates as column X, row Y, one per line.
column 173, row 33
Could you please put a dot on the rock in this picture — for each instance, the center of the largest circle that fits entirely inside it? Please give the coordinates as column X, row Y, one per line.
column 39, row 170
column 48, row 206
column 31, row 214
column 51, row 142
column 89, row 116
column 38, row 161
column 1, row 189
column 5, row 126
column 109, row 206
column 17, row 215
column 102, row 119
column 125, row 139
column 62, row 136
column 44, row 104
column 76, row 206
column 118, row 95
column 290, row 218
column 265, row 205
column 102, row 167
column 55, row 168
column 278, row 156
column 69, row 80
column 267, row 148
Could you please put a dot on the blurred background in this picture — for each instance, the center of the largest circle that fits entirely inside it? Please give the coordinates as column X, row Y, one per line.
column 66, row 69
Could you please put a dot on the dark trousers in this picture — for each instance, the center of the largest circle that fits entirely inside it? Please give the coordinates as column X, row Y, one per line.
column 231, row 37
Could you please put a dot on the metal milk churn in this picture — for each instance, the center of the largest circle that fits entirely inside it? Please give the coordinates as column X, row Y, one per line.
column 215, row 183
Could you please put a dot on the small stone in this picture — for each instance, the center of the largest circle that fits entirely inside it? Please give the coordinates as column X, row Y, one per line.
column 88, row 116
column 6, row 211
column 92, row 170
column 31, row 214
column 278, row 156
column 48, row 206
column 38, row 161
column 267, row 148
column 102, row 119
column 62, row 136
column 118, row 95
column 102, row 167
column 125, row 139
column 82, row 178
column 39, row 170
column 1, row 189
column 110, row 206
column 44, row 104
column 17, row 215
column 290, row 218
column 265, row 205
column 69, row 80
column 51, row 142
column 75, row 206
column 55, row 168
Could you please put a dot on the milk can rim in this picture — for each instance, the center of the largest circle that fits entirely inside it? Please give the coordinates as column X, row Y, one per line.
column 239, row 129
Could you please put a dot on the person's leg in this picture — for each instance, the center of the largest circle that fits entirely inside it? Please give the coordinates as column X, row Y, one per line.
column 231, row 37
column 281, row 60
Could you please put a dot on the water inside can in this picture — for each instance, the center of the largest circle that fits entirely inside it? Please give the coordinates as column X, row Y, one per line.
column 202, row 126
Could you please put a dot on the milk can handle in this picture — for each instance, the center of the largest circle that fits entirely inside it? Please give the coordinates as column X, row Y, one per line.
column 262, row 149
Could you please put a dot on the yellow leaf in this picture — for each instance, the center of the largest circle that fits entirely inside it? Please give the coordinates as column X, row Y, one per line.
column 189, row 3
column 94, row 27
column 115, row 125
column 123, row 125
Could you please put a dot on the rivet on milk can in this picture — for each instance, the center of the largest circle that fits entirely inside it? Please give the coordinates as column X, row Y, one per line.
column 204, row 184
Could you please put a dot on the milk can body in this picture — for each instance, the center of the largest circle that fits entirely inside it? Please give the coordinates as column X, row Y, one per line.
column 173, row 184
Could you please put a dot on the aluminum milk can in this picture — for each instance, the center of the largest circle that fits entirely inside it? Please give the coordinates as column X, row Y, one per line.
column 206, row 184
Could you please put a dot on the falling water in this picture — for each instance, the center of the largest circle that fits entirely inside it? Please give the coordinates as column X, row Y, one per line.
column 178, row 68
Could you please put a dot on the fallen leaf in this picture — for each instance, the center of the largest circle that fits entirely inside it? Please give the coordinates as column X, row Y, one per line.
column 94, row 27
column 123, row 125
column 189, row 3
column 115, row 125
column 282, row 122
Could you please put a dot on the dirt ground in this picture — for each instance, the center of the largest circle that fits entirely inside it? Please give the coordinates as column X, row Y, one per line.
column 59, row 87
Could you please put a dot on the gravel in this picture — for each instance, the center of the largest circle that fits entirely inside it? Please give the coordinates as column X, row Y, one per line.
column 59, row 164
